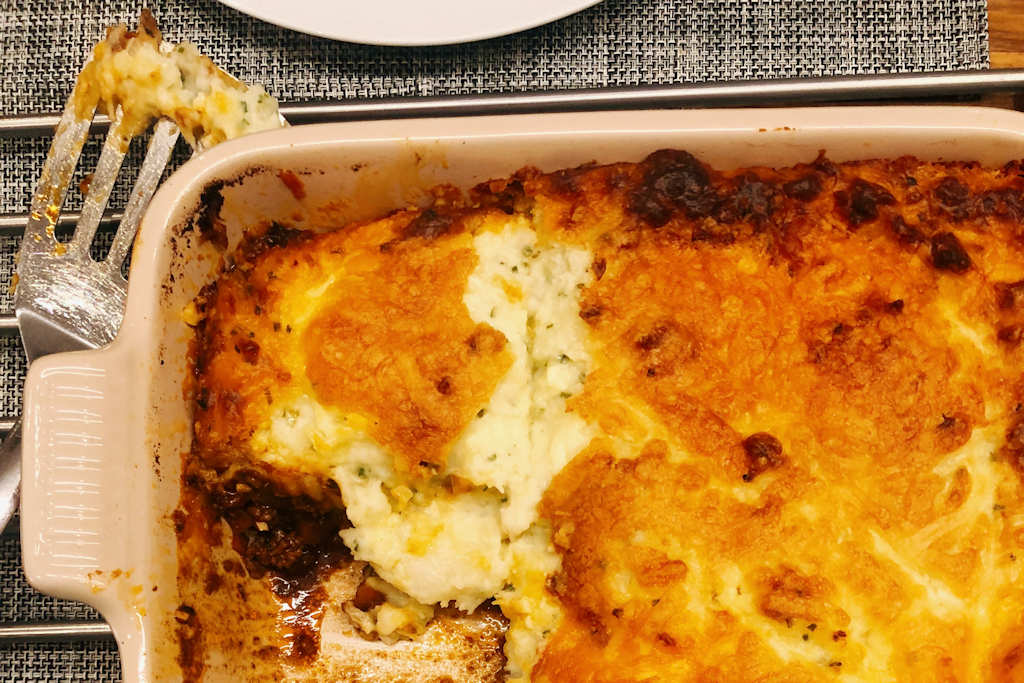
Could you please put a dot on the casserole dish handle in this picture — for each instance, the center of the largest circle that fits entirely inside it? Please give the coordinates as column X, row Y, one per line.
column 77, row 461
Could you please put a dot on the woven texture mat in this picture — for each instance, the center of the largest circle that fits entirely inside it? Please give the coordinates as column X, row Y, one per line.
column 43, row 43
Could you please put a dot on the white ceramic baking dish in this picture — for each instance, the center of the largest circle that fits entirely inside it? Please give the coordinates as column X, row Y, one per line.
column 105, row 430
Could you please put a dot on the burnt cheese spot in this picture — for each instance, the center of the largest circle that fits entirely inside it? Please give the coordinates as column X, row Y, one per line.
column 648, row 206
column 665, row 347
column 763, row 452
column 1005, row 202
column 567, row 181
column 682, row 179
column 907, row 235
column 674, row 180
column 666, row 640
column 1009, row 335
column 1008, row 294
column 751, row 198
column 249, row 350
column 949, row 254
column 653, row 339
column 859, row 204
column 877, row 303
column 804, row 188
column 504, row 194
column 953, row 197
column 1009, row 666
column 713, row 233
column 430, row 225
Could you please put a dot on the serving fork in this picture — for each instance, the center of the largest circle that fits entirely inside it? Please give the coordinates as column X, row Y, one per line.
column 65, row 300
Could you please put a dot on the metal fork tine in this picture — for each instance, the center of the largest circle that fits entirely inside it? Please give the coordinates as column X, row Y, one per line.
column 161, row 145
column 68, row 140
column 103, row 178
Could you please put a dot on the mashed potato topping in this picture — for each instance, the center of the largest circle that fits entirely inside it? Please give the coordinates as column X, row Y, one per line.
column 525, row 434
column 138, row 77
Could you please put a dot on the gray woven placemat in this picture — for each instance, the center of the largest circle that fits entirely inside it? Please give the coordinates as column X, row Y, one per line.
column 618, row 42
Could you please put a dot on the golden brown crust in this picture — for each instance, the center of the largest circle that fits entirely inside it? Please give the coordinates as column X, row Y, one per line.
column 820, row 306
column 389, row 338
column 403, row 349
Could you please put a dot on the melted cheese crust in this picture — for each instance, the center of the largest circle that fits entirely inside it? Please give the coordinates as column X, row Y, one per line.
column 884, row 542
column 771, row 417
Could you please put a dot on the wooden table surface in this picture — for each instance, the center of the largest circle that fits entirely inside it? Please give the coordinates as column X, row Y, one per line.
column 1006, row 33
column 1006, row 46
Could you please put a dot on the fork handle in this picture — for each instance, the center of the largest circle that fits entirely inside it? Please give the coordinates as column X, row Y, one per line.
column 10, row 474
